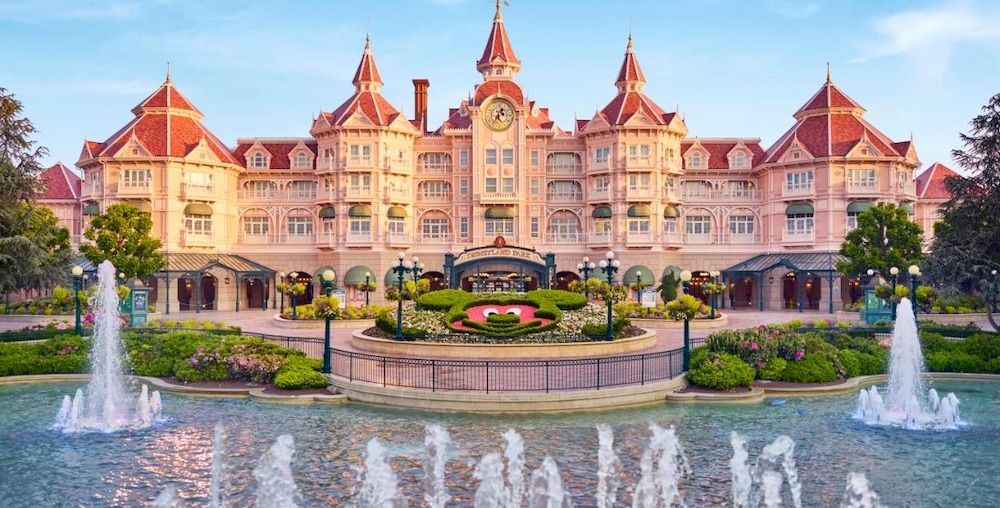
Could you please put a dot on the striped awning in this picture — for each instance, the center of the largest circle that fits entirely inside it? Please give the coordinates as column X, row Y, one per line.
column 602, row 212
column 671, row 212
column 859, row 206
column 356, row 275
column 639, row 211
column 396, row 212
column 908, row 207
column 328, row 212
column 360, row 211
column 500, row 212
column 799, row 209
column 92, row 209
column 197, row 209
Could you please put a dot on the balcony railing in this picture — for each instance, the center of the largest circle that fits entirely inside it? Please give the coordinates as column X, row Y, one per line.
column 673, row 237
column 276, row 195
column 133, row 187
column 640, row 192
column 359, row 161
column 639, row 161
column 359, row 192
column 198, row 238
column 669, row 194
column 190, row 190
column 297, row 239
column 640, row 237
column 327, row 239
column 743, row 238
column 359, row 238
column 396, row 238
column 563, row 238
column 557, row 168
column 602, row 238
column 436, row 196
column 399, row 194
column 599, row 164
column 909, row 188
column 601, row 193
column 700, row 238
column 499, row 196
column 89, row 188
column 862, row 187
column 798, row 236
column 723, row 195
column 798, row 190
column 564, row 197
column 255, row 239
column 434, row 167
column 434, row 238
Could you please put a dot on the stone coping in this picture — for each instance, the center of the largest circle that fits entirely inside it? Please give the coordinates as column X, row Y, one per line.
column 388, row 347
column 696, row 324
column 338, row 324
column 253, row 393
column 759, row 392
column 508, row 402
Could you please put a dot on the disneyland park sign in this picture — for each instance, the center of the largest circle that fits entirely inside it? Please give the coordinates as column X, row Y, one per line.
column 503, row 252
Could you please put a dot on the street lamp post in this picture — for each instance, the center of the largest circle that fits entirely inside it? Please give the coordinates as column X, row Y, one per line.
column 715, row 275
column 281, row 277
column 638, row 286
column 295, row 311
column 609, row 266
column 895, row 273
column 368, row 276
column 328, row 286
column 77, row 276
column 400, row 266
column 585, row 268
column 914, row 272
column 686, row 283
column 994, row 292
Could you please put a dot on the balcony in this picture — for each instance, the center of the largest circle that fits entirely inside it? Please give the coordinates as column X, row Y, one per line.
column 133, row 188
column 255, row 239
column 564, row 238
column 89, row 189
column 197, row 191
column 700, row 238
column 603, row 238
column 437, row 197
column 506, row 197
column 600, row 193
column 798, row 190
column 743, row 238
column 434, row 168
column 640, row 192
column 359, row 192
column 397, row 194
column 198, row 238
column 639, row 161
column 599, row 164
column 434, row 238
column 639, row 237
column 673, row 238
column 670, row 194
column 564, row 197
column 798, row 236
column 359, row 161
column 719, row 196
column 356, row 239
column 399, row 165
column 276, row 196
column 862, row 188
column 908, row 188
column 297, row 239
column 399, row 239
column 557, row 168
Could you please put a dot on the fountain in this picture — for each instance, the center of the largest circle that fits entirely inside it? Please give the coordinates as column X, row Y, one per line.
column 104, row 406
column 906, row 404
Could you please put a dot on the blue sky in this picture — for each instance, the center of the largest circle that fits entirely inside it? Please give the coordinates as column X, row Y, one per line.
column 735, row 68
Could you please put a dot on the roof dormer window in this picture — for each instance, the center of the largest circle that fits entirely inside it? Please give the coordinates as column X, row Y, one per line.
column 740, row 160
column 301, row 161
column 258, row 161
column 696, row 160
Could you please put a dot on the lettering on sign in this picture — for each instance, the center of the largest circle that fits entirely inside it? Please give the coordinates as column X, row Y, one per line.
column 506, row 252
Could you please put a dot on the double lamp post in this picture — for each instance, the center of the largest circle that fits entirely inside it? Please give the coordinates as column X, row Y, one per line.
column 402, row 266
column 610, row 266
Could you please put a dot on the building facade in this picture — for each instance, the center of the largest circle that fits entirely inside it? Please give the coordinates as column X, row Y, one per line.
column 499, row 175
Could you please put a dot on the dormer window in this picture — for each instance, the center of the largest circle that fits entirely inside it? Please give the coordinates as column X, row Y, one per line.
column 301, row 161
column 740, row 160
column 258, row 161
column 696, row 160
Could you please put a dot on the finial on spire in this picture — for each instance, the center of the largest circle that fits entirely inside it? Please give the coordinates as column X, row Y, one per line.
column 168, row 73
column 498, row 16
column 828, row 79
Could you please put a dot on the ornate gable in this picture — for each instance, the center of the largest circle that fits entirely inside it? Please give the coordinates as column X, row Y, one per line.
column 132, row 148
column 865, row 148
column 796, row 152
column 202, row 152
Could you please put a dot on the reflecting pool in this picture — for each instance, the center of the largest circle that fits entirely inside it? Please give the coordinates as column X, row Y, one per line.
column 41, row 466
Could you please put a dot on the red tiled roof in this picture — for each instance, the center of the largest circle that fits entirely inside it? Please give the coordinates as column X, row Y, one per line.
column 828, row 96
column 625, row 105
column 60, row 183
column 150, row 130
column 165, row 96
column 371, row 104
column 367, row 70
column 498, row 45
column 508, row 88
column 630, row 71
column 718, row 151
column 280, row 152
column 930, row 183
column 456, row 120
column 540, row 122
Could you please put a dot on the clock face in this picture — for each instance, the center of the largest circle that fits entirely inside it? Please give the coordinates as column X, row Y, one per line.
column 499, row 115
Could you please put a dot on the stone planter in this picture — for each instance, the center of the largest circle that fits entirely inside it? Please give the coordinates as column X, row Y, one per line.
column 336, row 324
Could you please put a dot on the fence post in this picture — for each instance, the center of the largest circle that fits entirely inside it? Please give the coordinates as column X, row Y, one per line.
column 670, row 362
column 433, row 377
column 384, row 360
column 546, row 376
column 642, row 369
column 487, row 376
column 350, row 366
column 598, row 373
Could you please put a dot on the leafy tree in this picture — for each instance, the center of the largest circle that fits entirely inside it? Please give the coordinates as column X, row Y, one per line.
column 20, row 160
column 668, row 286
column 966, row 246
column 38, row 254
column 122, row 235
column 885, row 237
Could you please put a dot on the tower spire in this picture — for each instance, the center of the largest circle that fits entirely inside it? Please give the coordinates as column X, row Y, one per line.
column 498, row 57
column 828, row 79
column 168, row 73
column 630, row 77
column 367, row 78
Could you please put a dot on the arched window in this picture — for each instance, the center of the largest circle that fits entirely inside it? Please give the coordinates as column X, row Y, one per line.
column 696, row 160
column 301, row 160
column 259, row 161
column 740, row 160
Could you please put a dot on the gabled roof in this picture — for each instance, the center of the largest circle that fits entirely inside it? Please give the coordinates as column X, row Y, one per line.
column 166, row 135
column 166, row 96
column 370, row 104
column 367, row 70
column 488, row 88
column 930, row 183
column 630, row 100
column 719, row 149
column 830, row 124
column 818, row 262
column 630, row 71
column 279, row 149
column 60, row 183
column 498, row 47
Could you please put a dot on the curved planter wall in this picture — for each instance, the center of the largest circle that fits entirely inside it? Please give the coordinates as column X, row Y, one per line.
column 387, row 347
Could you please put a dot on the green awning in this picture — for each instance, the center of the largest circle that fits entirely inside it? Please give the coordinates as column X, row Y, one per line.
column 799, row 209
column 356, row 275
column 638, row 211
column 500, row 212
column 360, row 211
column 396, row 212
column 859, row 206
column 197, row 209
column 328, row 212
column 908, row 207
column 318, row 276
column 671, row 212
column 92, row 209
column 631, row 274
column 602, row 212
column 143, row 206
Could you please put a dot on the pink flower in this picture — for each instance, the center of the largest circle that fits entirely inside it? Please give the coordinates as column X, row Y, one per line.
column 754, row 346
column 799, row 355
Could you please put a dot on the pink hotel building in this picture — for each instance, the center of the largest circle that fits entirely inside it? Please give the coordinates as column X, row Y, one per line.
column 497, row 197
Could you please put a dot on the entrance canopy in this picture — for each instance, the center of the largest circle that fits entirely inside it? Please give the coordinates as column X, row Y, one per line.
column 816, row 262
column 182, row 264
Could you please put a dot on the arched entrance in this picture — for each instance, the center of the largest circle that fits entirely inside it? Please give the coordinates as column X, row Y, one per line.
column 564, row 279
column 811, row 288
column 185, row 293
column 303, row 277
column 698, row 279
column 499, row 268
column 742, row 291
column 209, row 291
column 436, row 279
column 256, row 293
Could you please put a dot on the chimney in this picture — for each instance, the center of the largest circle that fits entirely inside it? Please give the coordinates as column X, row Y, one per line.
column 420, row 87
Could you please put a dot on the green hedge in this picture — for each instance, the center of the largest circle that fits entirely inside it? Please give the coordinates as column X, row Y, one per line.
column 811, row 369
column 300, row 374
column 61, row 355
column 443, row 299
column 720, row 371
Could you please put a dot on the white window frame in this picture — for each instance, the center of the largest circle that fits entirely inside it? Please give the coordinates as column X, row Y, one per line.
column 507, row 156
column 435, row 227
column 502, row 226
column 463, row 157
column 491, row 156
column 256, row 226
column 741, row 224
column 799, row 223
column 198, row 224
column 698, row 224
column 299, row 225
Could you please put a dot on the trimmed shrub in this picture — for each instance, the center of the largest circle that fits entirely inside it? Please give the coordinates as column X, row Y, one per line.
column 773, row 370
column 954, row 361
column 300, row 379
column 983, row 345
column 870, row 364
column 852, row 366
column 721, row 371
column 184, row 371
column 443, row 299
column 813, row 368
column 564, row 300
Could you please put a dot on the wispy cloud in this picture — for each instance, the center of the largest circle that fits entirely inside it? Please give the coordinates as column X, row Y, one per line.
column 795, row 9
column 33, row 11
column 928, row 36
